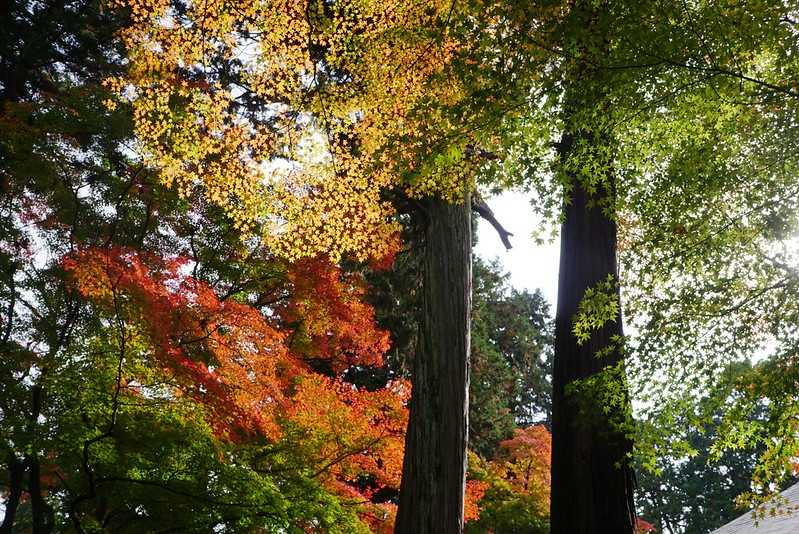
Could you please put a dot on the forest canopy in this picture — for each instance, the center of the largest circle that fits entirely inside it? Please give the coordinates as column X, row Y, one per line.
column 239, row 289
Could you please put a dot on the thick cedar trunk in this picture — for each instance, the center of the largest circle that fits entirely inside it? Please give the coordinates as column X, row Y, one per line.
column 592, row 483
column 434, row 469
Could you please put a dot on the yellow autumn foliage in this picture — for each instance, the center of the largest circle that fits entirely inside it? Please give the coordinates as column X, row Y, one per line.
column 292, row 115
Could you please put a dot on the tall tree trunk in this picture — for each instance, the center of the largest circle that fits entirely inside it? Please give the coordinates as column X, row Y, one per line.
column 40, row 510
column 16, row 476
column 592, row 482
column 434, row 468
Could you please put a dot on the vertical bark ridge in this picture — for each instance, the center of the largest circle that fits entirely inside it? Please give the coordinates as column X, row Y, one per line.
column 434, row 468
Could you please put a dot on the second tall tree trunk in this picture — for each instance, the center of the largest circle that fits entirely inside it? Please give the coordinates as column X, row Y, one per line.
column 592, row 483
column 434, row 469
column 592, row 480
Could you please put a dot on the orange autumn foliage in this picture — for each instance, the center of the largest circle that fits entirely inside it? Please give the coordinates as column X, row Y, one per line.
column 255, row 374
column 643, row 527
column 356, row 436
column 513, row 486
column 222, row 353
column 240, row 365
column 524, row 462
column 475, row 490
column 332, row 322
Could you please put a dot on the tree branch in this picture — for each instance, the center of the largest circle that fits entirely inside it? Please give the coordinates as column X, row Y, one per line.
column 481, row 208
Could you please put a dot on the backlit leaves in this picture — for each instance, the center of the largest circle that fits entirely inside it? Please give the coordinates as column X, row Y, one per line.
column 289, row 114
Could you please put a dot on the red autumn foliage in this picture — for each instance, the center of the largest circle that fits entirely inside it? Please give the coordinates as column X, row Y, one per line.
column 329, row 317
column 240, row 365
column 643, row 527
column 222, row 353
column 253, row 373
column 515, row 481
column 525, row 462
column 386, row 262
column 475, row 490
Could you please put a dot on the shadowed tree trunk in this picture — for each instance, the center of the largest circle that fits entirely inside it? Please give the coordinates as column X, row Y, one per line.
column 592, row 482
column 16, row 474
column 40, row 510
column 434, row 468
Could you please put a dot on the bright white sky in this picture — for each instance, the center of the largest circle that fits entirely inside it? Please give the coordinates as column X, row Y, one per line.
column 530, row 266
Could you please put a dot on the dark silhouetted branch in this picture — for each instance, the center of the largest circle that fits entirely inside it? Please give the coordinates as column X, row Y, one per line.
column 482, row 209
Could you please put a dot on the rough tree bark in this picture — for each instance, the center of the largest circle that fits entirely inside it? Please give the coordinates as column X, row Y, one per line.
column 592, row 482
column 434, row 468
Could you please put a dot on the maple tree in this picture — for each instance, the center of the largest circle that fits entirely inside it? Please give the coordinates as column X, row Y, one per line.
column 284, row 111
column 227, row 356
column 158, row 373
column 722, row 268
column 295, row 120
column 706, row 94
column 331, row 320
column 191, row 349
column 514, row 485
